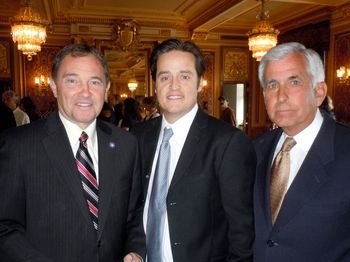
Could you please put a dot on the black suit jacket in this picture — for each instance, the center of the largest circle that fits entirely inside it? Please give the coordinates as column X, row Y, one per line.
column 313, row 223
column 209, row 201
column 43, row 212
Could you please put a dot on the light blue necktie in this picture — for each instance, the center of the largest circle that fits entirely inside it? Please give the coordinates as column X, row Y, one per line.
column 157, row 202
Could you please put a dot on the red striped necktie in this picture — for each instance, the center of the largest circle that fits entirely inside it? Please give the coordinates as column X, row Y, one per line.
column 88, row 178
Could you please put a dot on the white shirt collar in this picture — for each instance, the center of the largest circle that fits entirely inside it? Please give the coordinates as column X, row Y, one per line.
column 306, row 137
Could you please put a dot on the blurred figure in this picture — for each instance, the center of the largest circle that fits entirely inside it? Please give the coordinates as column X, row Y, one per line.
column 27, row 105
column 227, row 114
column 107, row 113
column 117, row 104
column 131, row 114
column 151, row 107
column 7, row 118
column 327, row 106
column 11, row 100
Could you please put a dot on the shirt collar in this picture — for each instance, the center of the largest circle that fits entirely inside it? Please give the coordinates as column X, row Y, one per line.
column 307, row 136
column 74, row 131
column 181, row 126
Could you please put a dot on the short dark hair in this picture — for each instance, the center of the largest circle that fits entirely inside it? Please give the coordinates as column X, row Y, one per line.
column 175, row 44
column 78, row 50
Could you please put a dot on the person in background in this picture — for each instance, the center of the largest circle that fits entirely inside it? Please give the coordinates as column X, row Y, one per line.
column 131, row 114
column 7, row 118
column 328, row 107
column 70, row 184
column 10, row 99
column 199, row 181
column 151, row 107
column 107, row 113
column 302, row 195
column 227, row 114
column 117, row 104
column 27, row 105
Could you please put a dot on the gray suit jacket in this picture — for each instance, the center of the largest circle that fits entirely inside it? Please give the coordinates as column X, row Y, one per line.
column 313, row 223
column 210, row 198
column 43, row 212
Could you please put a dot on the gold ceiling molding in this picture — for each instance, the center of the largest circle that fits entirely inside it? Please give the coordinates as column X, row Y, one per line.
column 199, row 36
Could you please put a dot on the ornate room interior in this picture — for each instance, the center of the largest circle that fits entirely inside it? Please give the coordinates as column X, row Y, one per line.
column 126, row 31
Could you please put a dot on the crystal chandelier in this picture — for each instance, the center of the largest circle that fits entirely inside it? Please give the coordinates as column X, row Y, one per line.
column 263, row 36
column 132, row 85
column 28, row 30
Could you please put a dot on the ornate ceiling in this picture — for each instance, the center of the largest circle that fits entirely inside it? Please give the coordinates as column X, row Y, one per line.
column 210, row 19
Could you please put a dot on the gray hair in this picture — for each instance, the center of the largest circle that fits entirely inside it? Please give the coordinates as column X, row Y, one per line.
column 314, row 63
column 10, row 94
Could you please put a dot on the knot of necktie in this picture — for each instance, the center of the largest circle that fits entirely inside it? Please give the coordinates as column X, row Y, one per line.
column 288, row 144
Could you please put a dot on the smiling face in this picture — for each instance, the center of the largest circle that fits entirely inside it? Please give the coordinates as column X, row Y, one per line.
column 290, row 100
column 177, row 84
column 80, row 88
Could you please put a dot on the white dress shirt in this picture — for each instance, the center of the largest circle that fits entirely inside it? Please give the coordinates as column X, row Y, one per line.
column 180, row 131
column 21, row 117
column 74, row 132
column 304, row 141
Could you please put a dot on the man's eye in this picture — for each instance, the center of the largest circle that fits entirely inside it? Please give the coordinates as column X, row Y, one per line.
column 96, row 83
column 185, row 77
column 71, row 81
column 272, row 86
column 295, row 82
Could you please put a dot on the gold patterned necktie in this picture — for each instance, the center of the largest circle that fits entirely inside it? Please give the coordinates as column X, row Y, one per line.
column 280, row 176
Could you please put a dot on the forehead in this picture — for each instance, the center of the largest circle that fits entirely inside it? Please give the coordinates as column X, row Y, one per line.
column 176, row 57
column 80, row 63
column 290, row 64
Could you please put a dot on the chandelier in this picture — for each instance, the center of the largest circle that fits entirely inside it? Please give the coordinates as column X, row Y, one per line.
column 132, row 85
column 28, row 30
column 263, row 36
column 126, row 34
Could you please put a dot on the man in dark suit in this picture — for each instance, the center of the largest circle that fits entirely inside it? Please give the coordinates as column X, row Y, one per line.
column 208, row 202
column 310, row 221
column 48, row 212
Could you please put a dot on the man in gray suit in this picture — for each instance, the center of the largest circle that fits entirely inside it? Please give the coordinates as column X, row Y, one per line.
column 68, row 201
column 310, row 221
column 208, row 214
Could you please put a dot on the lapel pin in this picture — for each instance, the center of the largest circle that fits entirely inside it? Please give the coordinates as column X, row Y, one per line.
column 111, row 144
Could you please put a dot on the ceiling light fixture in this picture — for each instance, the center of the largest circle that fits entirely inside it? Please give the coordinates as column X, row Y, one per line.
column 263, row 36
column 28, row 30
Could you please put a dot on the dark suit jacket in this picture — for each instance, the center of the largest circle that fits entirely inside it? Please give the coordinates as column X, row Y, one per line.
column 313, row 223
column 209, row 201
column 43, row 212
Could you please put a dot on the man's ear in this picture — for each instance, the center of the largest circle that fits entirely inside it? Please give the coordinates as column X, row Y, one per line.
column 200, row 86
column 320, row 92
column 53, row 87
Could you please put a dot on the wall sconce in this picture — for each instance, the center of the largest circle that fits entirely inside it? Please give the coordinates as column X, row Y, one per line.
column 343, row 73
column 126, row 34
column 205, row 82
column 42, row 84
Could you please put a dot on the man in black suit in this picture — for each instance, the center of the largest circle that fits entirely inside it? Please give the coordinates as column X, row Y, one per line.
column 210, row 176
column 311, row 220
column 45, row 212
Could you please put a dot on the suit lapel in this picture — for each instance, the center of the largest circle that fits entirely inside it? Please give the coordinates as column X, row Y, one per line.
column 61, row 156
column 311, row 175
column 187, row 154
column 149, row 146
column 108, row 151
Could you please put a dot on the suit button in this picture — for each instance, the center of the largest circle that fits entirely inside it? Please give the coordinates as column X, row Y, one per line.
column 271, row 243
column 147, row 176
column 99, row 243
